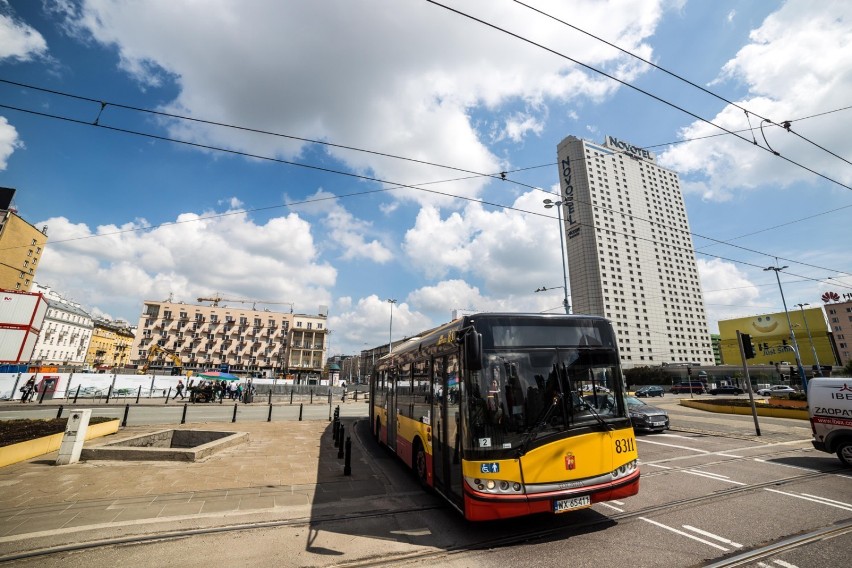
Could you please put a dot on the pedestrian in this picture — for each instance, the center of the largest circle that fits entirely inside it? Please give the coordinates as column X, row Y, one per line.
column 179, row 389
column 28, row 389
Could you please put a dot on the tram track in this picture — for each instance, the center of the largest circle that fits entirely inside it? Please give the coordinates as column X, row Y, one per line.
column 517, row 538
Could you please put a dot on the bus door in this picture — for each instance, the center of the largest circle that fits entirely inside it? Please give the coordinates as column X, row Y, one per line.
column 439, row 425
column 392, row 407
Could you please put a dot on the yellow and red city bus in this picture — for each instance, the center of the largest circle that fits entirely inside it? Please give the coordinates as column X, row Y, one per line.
column 489, row 411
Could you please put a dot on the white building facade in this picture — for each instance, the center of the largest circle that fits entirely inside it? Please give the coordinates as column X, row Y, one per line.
column 630, row 252
column 65, row 333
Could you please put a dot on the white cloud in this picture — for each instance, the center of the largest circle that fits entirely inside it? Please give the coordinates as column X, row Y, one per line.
column 728, row 293
column 197, row 256
column 521, row 124
column 782, row 85
column 366, row 323
column 9, row 141
column 20, row 41
column 412, row 99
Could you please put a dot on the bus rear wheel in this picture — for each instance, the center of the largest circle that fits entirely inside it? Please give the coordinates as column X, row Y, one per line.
column 420, row 468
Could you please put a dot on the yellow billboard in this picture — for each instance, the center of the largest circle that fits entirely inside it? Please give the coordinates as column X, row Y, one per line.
column 770, row 335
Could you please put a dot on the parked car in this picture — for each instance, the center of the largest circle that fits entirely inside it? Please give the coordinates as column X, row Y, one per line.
column 688, row 386
column 643, row 416
column 725, row 389
column 650, row 391
column 776, row 390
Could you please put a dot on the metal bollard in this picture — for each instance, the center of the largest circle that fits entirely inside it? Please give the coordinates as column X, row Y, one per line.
column 183, row 416
column 329, row 396
column 291, row 396
column 356, row 396
column 312, row 396
column 269, row 418
column 347, row 462
column 340, row 448
column 168, row 395
column 76, row 394
column 126, row 412
column 301, row 407
column 109, row 394
column 138, row 394
column 335, row 429
column 59, row 414
column 270, row 396
column 234, row 419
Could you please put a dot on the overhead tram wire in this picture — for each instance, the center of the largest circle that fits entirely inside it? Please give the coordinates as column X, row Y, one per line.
column 357, row 176
column 786, row 125
column 637, row 89
column 502, row 175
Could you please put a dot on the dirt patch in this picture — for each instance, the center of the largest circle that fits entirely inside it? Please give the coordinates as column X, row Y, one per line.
column 14, row 431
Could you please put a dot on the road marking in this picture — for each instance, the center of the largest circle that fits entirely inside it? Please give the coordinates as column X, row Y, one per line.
column 611, row 507
column 785, row 564
column 785, row 465
column 674, row 446
column 712, row 476
column 826, row 499
column 687, row 535
column 617, row 502
column 713, row 536
column 820, row 500
column 413, row 532
column 657, row 465
column 729, row 455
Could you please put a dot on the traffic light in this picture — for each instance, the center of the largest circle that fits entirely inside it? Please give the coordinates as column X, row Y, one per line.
column 689, row 371
column 748, row 348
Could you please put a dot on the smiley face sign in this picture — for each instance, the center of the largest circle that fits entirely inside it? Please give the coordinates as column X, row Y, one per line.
column 765, row 324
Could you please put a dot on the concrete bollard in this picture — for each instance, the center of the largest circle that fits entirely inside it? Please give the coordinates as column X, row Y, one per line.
column 126, row 412
column 347, row 462
column 340, row 446
column 183, row 416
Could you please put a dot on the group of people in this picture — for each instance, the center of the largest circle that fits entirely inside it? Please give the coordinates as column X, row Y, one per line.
column 213, row 390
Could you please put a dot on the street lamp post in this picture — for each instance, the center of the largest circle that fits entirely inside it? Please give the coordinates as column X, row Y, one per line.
column 818, row 372
column 390, row 329
column 804, row 379
column 548, row 203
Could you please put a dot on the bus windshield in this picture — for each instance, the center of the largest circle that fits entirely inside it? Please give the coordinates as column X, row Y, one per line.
column 523, row 394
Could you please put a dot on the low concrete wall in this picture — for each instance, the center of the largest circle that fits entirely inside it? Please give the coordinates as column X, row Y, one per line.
column 157, row 446
column 33, row 448
column 798, row 414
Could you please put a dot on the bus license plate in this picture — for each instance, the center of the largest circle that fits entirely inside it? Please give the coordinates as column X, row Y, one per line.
column 563, row 505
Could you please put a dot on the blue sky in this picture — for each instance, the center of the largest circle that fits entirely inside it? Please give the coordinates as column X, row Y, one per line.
column 133, row 216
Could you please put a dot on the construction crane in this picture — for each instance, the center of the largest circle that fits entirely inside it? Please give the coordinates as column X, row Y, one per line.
column 216, row 299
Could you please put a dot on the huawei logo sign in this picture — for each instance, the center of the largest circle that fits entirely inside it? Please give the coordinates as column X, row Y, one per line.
column 830, row 297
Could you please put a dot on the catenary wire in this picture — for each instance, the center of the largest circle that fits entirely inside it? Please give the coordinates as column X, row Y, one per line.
column 349, row 174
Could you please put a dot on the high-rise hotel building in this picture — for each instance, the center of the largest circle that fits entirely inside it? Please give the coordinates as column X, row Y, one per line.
column 630, row 252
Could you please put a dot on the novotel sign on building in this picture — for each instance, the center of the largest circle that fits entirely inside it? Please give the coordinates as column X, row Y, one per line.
column 616, row 144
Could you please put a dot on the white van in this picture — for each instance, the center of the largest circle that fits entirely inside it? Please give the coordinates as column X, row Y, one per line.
column 830, row 409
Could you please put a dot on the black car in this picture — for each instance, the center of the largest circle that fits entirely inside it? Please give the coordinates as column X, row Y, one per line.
column 643, row 416
column 726, row 389
column 650, row 391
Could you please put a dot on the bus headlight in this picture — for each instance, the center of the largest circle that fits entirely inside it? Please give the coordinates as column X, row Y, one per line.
column 496, row 486
column 625, row 470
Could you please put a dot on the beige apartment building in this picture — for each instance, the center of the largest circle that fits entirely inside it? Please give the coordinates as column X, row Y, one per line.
column 838, row 310
column 21, row 247
column 110, row 345
column 246, row 342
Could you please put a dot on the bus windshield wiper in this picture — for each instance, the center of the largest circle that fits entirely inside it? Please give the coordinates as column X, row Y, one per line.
column 531, row 435
column 598, row 417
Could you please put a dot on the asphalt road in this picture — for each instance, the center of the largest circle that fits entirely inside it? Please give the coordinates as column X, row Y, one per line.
column 712, row 494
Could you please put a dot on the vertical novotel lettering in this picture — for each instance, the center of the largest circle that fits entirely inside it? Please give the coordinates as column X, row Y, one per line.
column 568, row 199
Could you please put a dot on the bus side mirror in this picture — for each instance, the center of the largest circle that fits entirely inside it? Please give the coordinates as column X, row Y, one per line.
column 473, row 350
